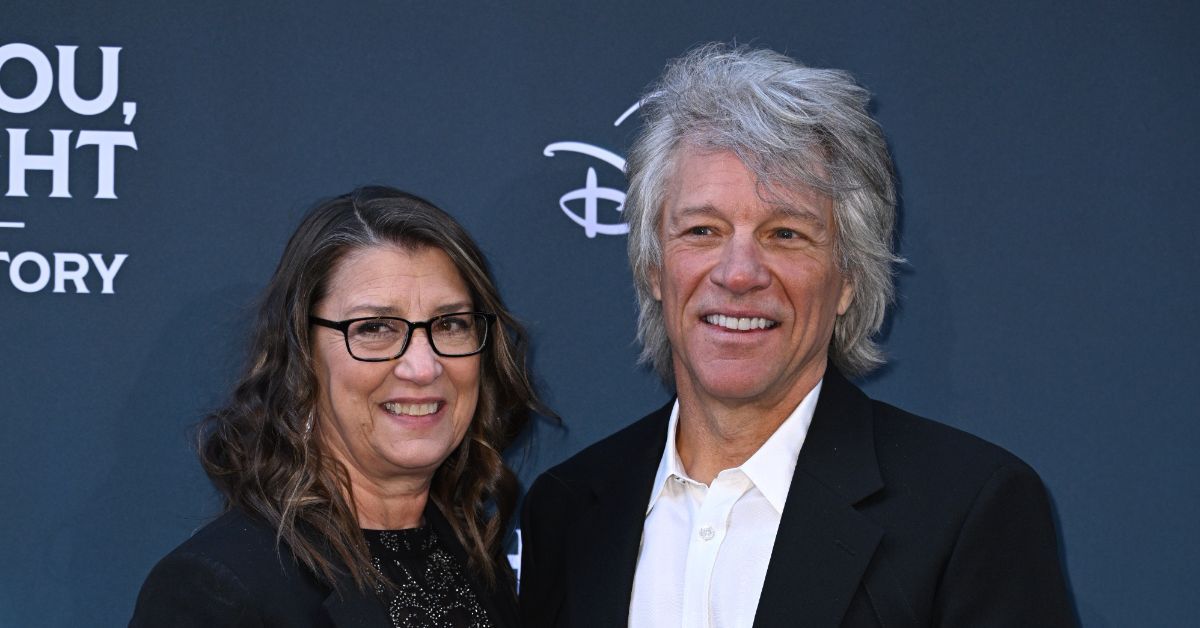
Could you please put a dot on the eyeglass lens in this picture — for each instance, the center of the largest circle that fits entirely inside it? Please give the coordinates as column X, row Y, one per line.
column 451, row 334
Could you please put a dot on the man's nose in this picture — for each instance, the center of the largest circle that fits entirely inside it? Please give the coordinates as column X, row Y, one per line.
column 741, row 268
column 419, row 364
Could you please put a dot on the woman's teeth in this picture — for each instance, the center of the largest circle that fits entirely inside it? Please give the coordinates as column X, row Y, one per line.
column 411, row 409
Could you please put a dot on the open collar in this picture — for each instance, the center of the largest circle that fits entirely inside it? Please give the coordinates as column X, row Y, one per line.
column 770, row 468
column 821, row 552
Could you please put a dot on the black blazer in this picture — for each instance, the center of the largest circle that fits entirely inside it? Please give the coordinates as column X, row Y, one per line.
column 230, row 574
column 891, row 520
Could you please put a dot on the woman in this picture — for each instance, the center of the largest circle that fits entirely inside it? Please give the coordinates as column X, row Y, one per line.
column 360, row 458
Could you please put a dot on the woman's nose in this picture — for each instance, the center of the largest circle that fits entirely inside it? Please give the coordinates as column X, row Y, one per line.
column 419, row 364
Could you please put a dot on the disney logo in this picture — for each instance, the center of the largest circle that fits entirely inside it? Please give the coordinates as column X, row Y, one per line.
column 591, row 193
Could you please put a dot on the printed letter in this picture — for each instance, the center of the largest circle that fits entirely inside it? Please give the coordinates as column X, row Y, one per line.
column 43, row 83
column 14, row 272
column 108, row 81
column 76, row 274
column 106, row 143
column 107, row 273
column 57, row 162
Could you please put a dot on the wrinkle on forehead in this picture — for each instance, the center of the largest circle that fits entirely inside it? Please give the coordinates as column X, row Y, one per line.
column 796, row 200
column 411, row 282
column 799, row 170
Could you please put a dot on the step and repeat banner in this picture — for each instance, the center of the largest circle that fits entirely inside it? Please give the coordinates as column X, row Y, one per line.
column 154, row 159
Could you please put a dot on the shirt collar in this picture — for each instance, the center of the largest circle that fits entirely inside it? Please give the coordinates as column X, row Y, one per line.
column 668, row 465
column 770, row 468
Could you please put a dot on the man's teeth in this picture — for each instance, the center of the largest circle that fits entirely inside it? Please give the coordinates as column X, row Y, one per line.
column 411, row 409
column 733, row 322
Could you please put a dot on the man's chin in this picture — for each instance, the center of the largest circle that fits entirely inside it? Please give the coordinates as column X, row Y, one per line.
column 732, row 387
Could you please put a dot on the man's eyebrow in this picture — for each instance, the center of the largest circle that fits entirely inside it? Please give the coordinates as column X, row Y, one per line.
column 697, row 210
column 786, row 210
column 800, row 213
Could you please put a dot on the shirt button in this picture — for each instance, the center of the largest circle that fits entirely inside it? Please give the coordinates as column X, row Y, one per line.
column 707, row 533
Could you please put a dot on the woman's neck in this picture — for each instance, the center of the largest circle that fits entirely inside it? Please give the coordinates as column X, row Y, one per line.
column 389, row 510
column 394, row 504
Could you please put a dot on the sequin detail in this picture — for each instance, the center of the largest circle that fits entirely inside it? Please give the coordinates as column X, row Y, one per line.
column 431, row 589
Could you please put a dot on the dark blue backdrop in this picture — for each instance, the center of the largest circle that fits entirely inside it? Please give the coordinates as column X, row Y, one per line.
column 1046, row 153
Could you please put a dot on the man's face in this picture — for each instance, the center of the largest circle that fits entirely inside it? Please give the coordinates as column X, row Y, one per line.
column 749, row 284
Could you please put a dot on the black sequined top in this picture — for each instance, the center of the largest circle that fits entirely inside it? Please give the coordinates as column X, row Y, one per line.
column 431, row 588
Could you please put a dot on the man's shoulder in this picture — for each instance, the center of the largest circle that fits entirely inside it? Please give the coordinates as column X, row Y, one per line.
column 921, row 451
column 913, row 432
column 642, row 440
column 899, row 438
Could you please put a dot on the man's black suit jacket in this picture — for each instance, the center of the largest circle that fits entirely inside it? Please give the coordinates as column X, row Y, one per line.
column 230, row 574
column 891, row 520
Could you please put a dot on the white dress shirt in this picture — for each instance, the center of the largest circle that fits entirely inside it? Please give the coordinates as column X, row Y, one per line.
column 705, row 549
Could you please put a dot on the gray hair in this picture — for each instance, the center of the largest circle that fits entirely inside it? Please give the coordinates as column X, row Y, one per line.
column 791, row 126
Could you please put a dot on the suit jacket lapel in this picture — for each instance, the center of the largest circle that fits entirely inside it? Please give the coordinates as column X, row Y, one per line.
column 824, row 544
column 607, row 543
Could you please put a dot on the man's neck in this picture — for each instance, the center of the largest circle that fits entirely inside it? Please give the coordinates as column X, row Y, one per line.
column 712, row 436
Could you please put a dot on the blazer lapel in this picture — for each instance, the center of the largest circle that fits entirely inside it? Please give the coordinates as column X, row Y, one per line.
column 607, row 544
column 824, row 544
column 352, row 608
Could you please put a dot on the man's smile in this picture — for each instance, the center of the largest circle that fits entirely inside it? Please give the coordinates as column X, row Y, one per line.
column 740, row 323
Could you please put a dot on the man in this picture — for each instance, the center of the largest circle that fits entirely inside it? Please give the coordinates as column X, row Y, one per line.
column 772, row 491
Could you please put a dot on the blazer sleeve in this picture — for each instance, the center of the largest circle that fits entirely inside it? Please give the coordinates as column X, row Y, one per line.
column 1005, row 569
column 190, row 591
column 543, row 524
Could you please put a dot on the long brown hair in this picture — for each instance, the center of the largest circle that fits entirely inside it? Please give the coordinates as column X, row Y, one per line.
column 261, row 449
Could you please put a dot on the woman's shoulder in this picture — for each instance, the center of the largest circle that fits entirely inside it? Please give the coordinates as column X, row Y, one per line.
column 231, row 571
column 234, row 537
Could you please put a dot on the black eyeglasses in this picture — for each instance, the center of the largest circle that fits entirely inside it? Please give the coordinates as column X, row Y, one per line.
column 383, row 338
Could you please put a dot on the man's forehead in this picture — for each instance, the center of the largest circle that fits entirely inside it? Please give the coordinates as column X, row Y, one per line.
column 799, row 190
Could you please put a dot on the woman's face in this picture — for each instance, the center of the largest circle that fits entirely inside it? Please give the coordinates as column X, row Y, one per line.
column 397, row 419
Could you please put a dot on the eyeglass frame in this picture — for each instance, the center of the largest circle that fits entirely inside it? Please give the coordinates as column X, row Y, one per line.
column 344, row 327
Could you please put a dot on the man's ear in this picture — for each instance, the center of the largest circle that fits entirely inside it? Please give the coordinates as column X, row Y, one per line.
column 654, row 278
column 846, row 298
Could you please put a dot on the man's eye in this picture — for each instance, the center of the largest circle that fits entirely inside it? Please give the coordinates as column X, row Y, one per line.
column 787, row 234
column 700, row 231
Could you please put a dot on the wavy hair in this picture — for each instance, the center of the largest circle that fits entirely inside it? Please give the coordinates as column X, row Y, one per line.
column 262, row 449
column 791, row 126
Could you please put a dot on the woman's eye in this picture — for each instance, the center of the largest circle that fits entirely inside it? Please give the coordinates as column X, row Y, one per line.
column 786, row 234
column 700, row 231
column 373, row 328
column 453, row 324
